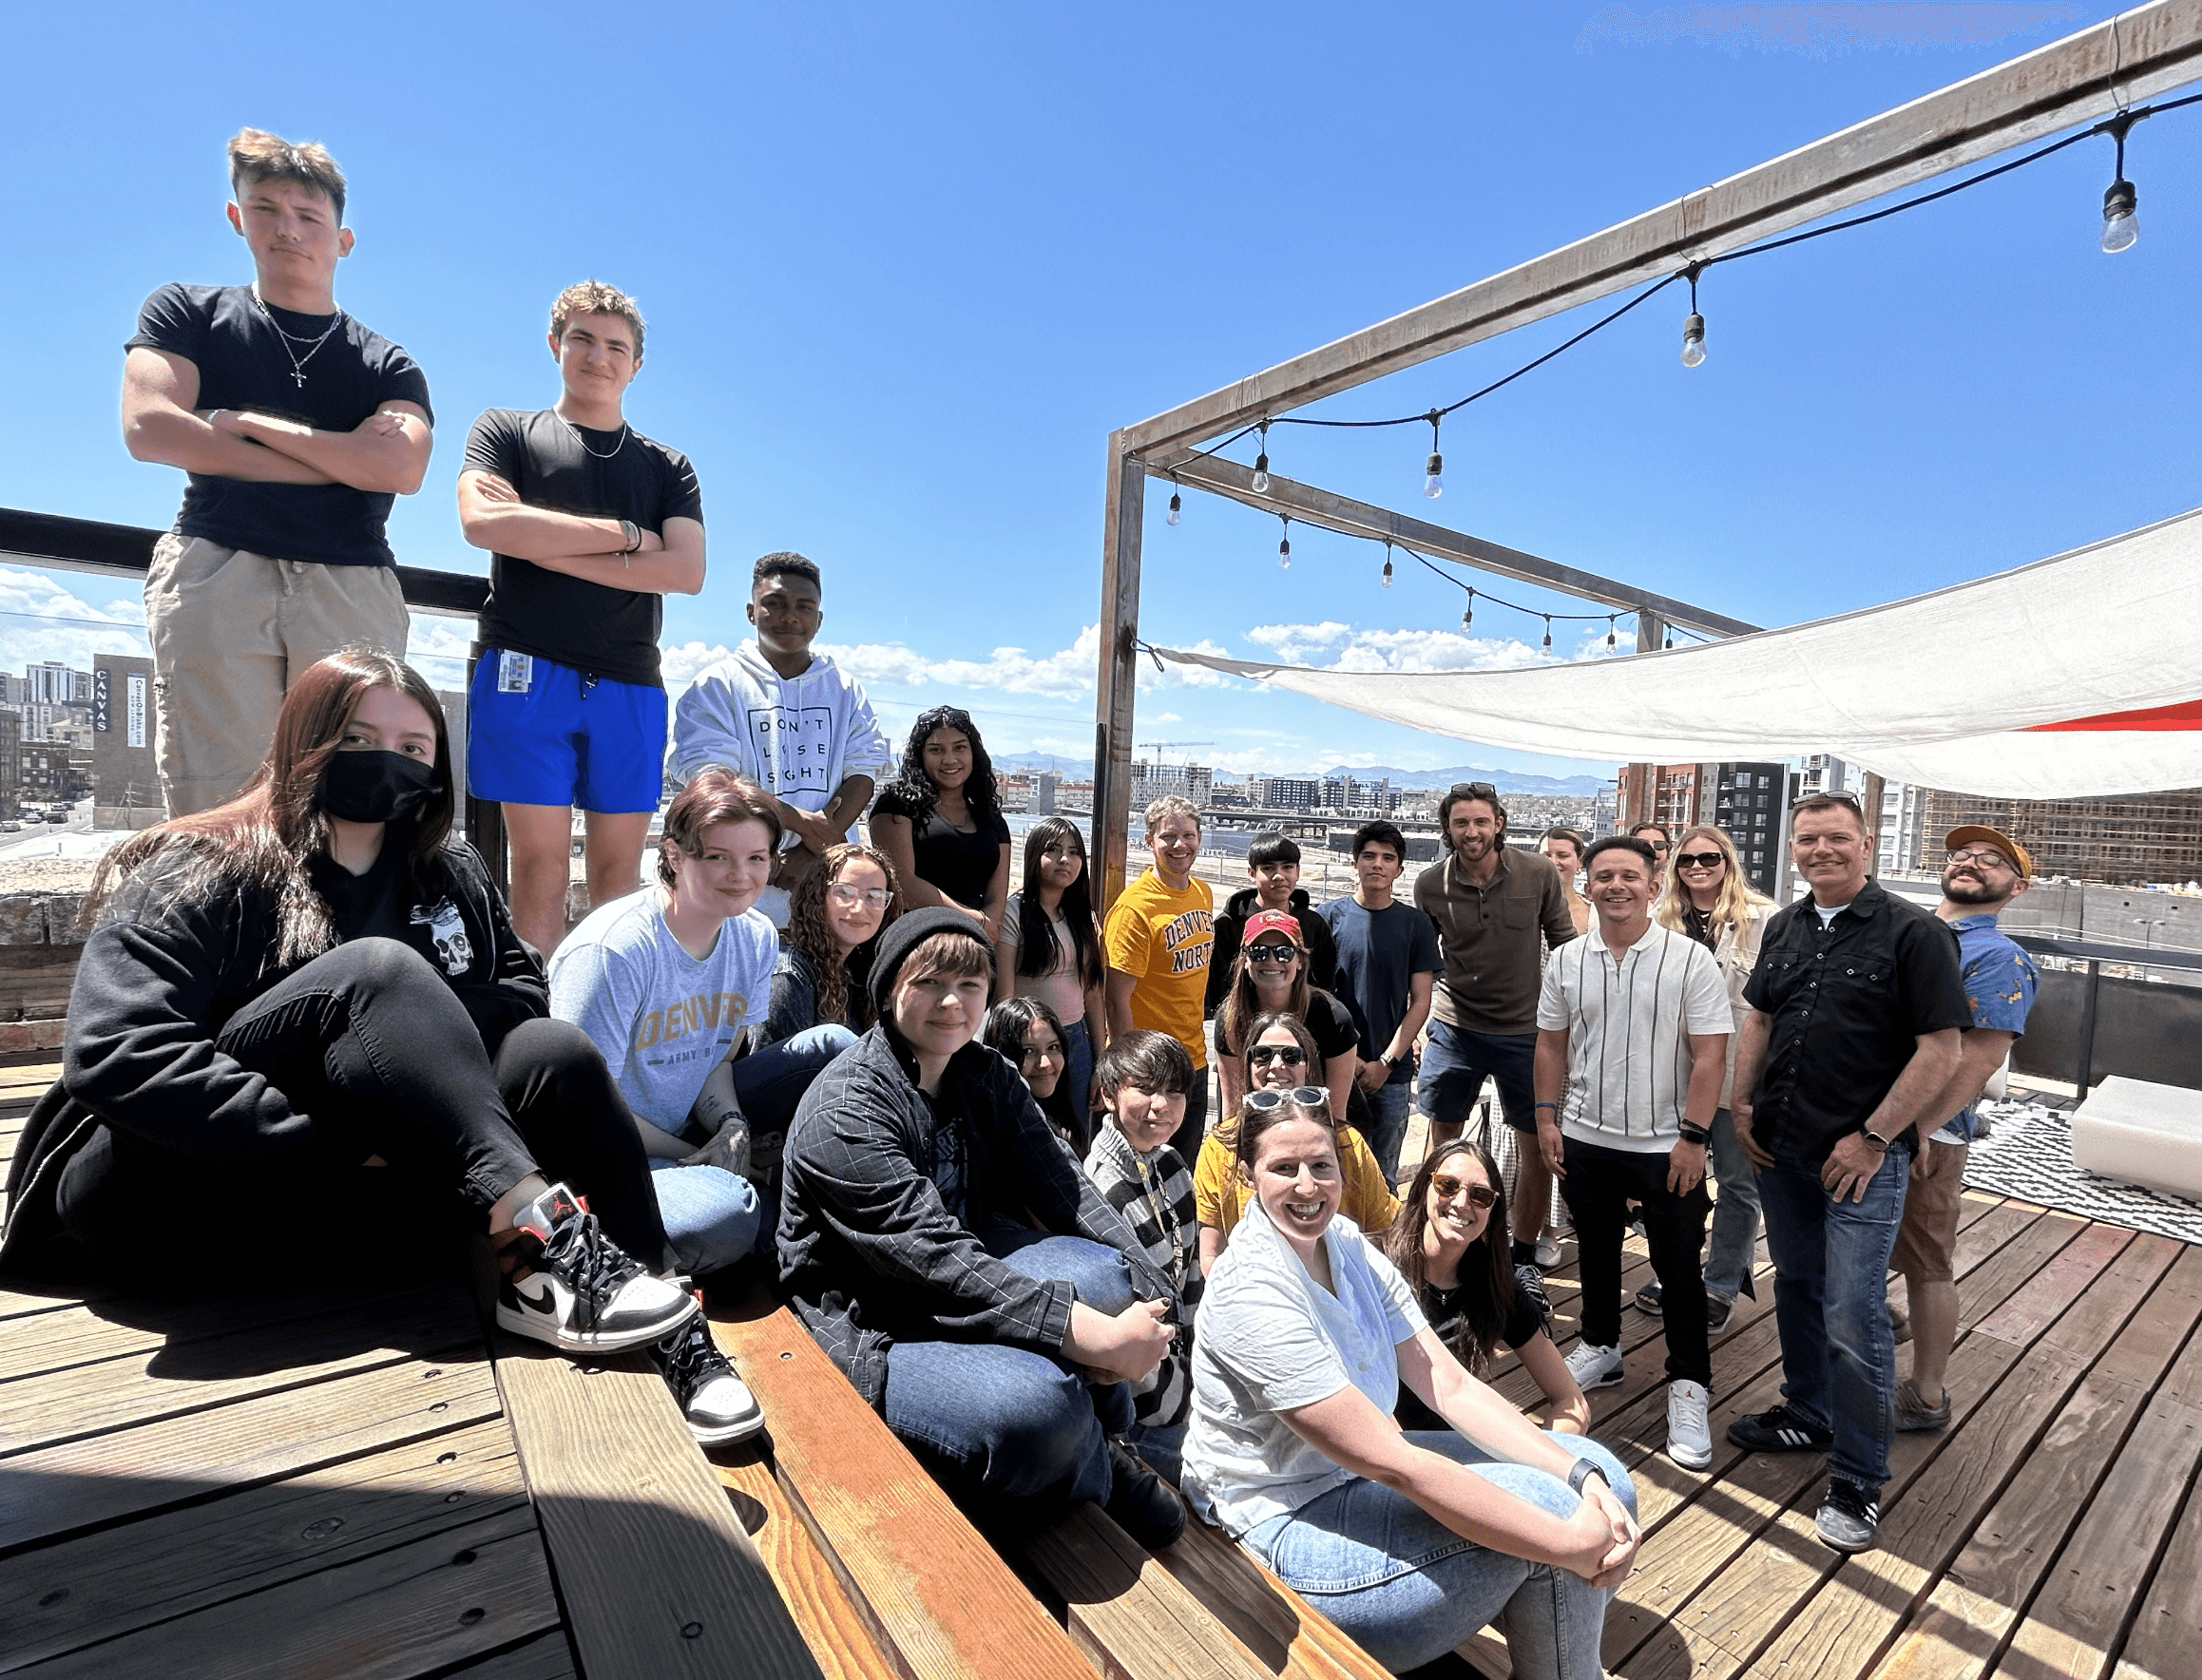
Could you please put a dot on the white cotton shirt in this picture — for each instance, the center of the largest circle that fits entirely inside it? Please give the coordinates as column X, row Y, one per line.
column 663, row 1019
column 1628, row 1026
column 1271, row 1340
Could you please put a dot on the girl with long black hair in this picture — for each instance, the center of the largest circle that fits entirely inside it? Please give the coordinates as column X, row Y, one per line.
column 940, row 821
column 1050, row 948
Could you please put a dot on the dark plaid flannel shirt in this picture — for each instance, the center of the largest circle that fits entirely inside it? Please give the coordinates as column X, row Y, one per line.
column 871, row 1253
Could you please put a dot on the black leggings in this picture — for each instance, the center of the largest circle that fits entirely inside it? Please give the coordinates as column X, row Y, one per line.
column 378, row 1057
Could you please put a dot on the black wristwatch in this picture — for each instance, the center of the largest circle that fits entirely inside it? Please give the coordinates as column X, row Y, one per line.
column 1697, row 1135
column 1582, row 1472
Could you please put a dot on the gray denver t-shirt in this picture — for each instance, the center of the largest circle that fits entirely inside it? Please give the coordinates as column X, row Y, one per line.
column 663, row 1019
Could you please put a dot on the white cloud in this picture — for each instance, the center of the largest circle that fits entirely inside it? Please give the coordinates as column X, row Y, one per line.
column 1067, row 673
column 41, row 619
column 1333, row 646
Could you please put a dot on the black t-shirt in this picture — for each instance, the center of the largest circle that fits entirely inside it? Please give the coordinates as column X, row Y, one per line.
column 554, row 465
column 241, row 364
column 1446, row 1311
column 961, row 865
column 1328, row 1021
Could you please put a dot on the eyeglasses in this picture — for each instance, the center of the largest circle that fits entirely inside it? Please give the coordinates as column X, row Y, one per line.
column 1262, row 1055
column 1981, row 854
column 849, row 897
column 1699, row 860
column 1283, row 952
column 1299, row 1096
column 1447, row 1187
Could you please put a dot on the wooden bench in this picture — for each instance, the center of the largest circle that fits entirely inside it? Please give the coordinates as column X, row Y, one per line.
column 863, row 1542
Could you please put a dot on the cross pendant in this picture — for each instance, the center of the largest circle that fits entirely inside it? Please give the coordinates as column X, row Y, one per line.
column 300, row 377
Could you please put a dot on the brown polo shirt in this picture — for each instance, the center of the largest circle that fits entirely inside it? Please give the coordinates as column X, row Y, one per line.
column 1490, row 936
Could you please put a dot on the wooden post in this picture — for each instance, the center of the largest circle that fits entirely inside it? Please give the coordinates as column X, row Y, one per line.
column 1870, row 798
column 1124, row 515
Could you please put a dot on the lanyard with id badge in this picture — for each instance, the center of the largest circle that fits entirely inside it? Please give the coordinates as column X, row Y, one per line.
column 516, row 673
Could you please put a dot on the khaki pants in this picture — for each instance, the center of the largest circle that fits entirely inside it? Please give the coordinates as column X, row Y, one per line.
column 231, row 631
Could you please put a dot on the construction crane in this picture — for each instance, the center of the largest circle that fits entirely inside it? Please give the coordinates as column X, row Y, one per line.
column 1156, row 746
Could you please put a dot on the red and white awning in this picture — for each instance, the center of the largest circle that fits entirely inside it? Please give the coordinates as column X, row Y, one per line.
column 2072, row 677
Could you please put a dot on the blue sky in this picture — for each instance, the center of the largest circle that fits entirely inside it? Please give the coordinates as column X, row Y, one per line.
column 905, row 267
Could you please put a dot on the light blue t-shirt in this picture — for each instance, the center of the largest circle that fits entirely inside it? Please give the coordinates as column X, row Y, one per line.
column 663, row 1019
column 1271, row 1340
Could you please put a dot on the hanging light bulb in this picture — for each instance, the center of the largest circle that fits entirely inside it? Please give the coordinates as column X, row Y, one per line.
column 1670, row 642
column 1176, row 506
column 1285, row 548
column 1547, row 631
column 1433, row 470
column 1694, row 328
column 2121, row 225
column 1469, row 613
column 1261, row 463
column 1610, row 641
column 1387, row 565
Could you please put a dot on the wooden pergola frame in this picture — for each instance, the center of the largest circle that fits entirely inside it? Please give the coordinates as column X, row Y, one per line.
column 2103, row 69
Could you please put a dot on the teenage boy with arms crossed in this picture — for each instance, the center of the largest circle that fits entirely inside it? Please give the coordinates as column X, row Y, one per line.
column 589, row 526
column 1157, row 936
column 1495, row 909
column 1856, row 1012
column 1387, row 963
column 297, row 427
column 1985, row 872
column 1633, row 1026
column 789, row 719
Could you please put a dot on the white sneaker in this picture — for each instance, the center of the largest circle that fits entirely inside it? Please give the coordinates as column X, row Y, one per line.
column 1592, row 1367
column 584, row 1294
column 1547, row 1253
column 1689, row 1437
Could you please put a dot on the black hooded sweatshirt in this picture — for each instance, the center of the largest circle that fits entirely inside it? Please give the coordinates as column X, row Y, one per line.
column 886, row 1193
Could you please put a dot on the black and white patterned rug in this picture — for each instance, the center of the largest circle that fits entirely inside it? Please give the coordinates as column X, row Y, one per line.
column 2027, row 1154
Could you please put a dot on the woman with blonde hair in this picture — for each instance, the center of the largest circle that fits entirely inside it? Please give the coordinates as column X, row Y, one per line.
column 1708, row 898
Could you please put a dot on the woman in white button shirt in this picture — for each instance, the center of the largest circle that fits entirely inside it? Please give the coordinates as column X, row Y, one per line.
column 1409, row 1542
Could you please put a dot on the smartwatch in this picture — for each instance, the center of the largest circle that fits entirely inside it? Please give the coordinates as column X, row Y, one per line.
column 1697, row 1135
column 1582, row 1472
column 1874, row 1141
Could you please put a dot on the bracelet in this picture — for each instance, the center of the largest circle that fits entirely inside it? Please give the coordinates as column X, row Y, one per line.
column 1697, row 1135
column 1582, row 1472
column 1535, row 1106
column 631, row 534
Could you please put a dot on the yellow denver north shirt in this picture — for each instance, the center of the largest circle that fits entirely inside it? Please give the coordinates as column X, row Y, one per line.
column 1163, row 939
column 1219, row 1193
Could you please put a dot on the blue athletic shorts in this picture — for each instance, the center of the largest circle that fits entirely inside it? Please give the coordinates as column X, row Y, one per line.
column 540, row 734
column 1455, row 1065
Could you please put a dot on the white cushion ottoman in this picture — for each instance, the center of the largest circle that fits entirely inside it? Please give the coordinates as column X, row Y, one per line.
column 2140, row 1133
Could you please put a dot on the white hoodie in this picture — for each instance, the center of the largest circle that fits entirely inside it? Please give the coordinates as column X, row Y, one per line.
column 798, row 737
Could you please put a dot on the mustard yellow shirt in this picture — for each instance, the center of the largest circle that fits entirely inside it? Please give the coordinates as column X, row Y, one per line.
column 1162, row 940
column 1219, row 1193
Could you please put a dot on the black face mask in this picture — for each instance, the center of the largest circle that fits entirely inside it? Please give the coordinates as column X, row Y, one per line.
column 372, row 786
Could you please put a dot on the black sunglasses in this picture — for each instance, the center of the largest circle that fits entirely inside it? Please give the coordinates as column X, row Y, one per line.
column 1283, row 952
column 1262, row 1055
column 1699, row 860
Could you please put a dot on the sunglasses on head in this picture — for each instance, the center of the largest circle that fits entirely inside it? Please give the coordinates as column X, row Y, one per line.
column 1447, row 1187
column 1291, row 1055
column 1299, row 1096
column 1699, row 860
column 1283, row 952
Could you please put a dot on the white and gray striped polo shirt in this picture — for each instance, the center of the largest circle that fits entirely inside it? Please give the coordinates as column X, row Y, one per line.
column 1628, row 1026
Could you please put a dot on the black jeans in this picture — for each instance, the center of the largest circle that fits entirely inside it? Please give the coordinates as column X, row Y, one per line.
column 378, row 1057
column 1598, row 1187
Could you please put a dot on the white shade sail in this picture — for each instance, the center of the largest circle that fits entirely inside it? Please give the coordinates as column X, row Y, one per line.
column 2075, row 675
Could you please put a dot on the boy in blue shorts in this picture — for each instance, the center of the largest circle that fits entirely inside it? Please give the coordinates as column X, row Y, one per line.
column 589, row 526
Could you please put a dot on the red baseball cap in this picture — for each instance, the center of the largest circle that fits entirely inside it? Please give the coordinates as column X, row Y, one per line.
column 1272, row 922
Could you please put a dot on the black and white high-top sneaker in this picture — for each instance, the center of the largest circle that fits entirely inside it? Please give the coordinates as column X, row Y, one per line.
column 582, row 1293
column 715, row 1403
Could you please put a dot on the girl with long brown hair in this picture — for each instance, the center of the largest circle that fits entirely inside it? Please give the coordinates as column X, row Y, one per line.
column 1464, row 1276
column 836, row 913
column 302, row 1026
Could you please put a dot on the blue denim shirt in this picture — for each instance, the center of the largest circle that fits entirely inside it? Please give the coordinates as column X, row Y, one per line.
column 2000, row 981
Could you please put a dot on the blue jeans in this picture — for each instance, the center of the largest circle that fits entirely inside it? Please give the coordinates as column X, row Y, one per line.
column 712, row 1216
column 1407, row 1589
column 1831, row 1270
column 1077, row 1071
column 1456, row 1063
column 1020, row 1434
column 1734, row 1215
column 769, row 1082
column 1388, row 1108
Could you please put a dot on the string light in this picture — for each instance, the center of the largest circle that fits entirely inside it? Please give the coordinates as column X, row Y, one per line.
column 2122, row 223
column 1693, row 329
column 1285, row 546
column 1433, row 470
column 1612, row 627
column 1547, row 631
column 1261, row 463
column 1387, row 565
column 1469, row 613
column 1176, row 500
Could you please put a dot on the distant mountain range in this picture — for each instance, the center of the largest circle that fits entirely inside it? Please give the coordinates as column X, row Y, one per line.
column 1507, row 781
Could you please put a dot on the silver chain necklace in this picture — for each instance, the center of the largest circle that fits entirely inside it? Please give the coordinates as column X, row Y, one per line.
column 297, row 362
column 581, row 437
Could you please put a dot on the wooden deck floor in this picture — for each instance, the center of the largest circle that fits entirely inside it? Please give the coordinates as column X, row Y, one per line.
column 271, row 1488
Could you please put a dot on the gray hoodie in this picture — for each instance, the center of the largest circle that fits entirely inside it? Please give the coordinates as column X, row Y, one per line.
column 798, row 737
